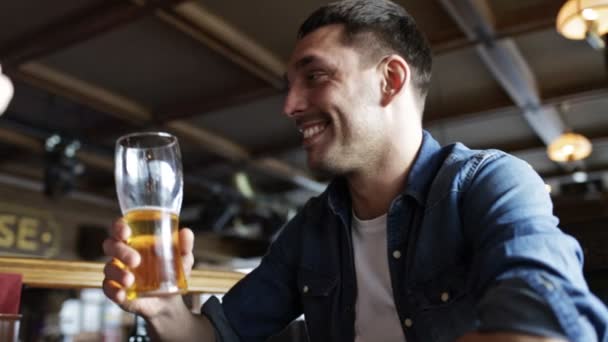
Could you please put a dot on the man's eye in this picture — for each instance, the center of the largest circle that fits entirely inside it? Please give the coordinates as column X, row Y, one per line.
column 314, row 76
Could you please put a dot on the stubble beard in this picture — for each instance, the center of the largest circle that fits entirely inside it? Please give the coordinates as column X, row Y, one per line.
column 340, row 160
column 324, row 167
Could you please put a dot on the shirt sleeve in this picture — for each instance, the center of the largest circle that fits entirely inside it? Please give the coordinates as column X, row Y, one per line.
column 528, row 272
column 266, row 300
column 213, row 310
column 501, row 310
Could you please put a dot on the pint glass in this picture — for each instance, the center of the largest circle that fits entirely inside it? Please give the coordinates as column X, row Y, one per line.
column 149, row 185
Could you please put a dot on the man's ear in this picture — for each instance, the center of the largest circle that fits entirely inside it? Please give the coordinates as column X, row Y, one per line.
column 395, row 77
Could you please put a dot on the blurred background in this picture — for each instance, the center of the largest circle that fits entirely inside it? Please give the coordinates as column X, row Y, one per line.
column 520, row 76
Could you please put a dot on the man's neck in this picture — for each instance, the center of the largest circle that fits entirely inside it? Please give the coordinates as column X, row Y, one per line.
column 372, row 191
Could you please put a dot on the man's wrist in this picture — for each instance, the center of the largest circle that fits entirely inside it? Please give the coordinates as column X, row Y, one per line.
column 173, row 310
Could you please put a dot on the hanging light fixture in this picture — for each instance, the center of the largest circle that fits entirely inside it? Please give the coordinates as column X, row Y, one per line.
column 569, row 147
column 6, row 91
column 584, row 19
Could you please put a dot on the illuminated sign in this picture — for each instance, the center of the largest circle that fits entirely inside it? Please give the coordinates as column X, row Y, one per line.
column 27, row 231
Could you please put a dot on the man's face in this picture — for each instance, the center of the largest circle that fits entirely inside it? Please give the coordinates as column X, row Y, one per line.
column 334, row 100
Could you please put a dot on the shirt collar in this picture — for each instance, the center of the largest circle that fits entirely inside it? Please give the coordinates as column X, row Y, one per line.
column 421, row 174
column 424, row 169
column 339, row 198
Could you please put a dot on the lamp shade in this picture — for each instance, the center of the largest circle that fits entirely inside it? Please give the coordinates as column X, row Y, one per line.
column 6, row 91
column 569, row 147
column 577, row 16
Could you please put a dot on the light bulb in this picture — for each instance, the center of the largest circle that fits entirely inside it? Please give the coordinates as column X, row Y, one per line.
column 590, row 14
column 6, row 91
column 580, row 177
column 567, row 150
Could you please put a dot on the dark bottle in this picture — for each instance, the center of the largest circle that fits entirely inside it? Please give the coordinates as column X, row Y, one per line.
column 139, row 332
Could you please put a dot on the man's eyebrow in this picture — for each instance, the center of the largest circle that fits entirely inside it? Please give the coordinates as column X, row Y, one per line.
column 304, row 61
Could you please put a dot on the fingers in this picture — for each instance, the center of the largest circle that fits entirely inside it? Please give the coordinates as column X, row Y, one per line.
column 114, row 292
column 186, row 244
column 117, row 278
column 120, row 230
column 115, row 245
column 186, row 240
column 121, row 251
column 118, row 273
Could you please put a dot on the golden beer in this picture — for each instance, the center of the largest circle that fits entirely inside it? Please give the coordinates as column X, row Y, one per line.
column 154, row 234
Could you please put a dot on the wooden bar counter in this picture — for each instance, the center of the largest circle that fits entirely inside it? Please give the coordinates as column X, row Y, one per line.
column 79, row 274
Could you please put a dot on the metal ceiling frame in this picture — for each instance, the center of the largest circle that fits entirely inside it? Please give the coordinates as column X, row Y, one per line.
column 508, row 66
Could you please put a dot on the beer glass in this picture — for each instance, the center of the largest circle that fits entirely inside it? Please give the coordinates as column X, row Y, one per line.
column 149, row 185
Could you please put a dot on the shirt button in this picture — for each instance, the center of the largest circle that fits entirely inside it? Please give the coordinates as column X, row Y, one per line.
column 305, row 289
column 396, row 254
column 445, row 297
column 408, row 323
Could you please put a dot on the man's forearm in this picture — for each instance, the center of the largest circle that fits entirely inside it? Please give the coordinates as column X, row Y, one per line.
column 178, row 324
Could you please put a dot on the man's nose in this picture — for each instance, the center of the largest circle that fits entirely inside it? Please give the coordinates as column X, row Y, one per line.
column 295, row 102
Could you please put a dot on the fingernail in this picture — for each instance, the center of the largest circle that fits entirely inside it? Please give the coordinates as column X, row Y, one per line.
column 121, row 296
column 129, row 279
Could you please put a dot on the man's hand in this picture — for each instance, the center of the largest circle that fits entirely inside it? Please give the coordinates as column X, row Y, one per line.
column 504, row 337
column 118, row 277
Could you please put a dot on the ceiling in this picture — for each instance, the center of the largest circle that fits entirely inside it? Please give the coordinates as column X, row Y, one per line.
column 211, row 73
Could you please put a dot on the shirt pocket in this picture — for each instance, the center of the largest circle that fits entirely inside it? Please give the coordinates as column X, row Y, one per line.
column 446, row 309
column 317, row 293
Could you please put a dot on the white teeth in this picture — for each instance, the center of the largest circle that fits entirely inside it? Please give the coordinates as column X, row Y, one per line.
column 312, row 131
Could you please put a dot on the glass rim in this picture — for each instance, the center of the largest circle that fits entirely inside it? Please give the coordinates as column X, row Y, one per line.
column 172, row 139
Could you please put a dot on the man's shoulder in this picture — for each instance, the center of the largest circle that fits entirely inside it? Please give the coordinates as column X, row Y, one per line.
column 462, row 158
column 462, row 154
column 462, row 163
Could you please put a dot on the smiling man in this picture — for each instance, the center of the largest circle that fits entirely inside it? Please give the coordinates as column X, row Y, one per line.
column 411, row 241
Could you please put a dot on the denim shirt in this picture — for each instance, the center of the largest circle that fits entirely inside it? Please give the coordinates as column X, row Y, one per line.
column 478, row 249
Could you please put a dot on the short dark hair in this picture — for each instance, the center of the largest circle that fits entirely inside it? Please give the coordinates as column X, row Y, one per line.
column 379, row 27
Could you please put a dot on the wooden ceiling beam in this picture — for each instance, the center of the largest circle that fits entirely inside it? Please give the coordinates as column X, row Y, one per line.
column 26, row 142
column 578, row 93
column 76, row 28
column 530, row 18
column 194, row 20
column 522, row 146
column 202, row 107
column 64, row 85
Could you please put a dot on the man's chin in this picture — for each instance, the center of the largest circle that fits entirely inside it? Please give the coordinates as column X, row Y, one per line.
column 321, row 170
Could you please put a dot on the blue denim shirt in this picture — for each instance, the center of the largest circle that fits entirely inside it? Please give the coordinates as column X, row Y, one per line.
column 479, row 250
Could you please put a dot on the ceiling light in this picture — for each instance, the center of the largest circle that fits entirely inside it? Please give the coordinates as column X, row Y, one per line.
column 580, row 176
column 6, row 91
column 584, row 19
column 569, row 147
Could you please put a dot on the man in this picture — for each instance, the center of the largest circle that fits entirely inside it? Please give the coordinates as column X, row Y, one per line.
column 411, row 241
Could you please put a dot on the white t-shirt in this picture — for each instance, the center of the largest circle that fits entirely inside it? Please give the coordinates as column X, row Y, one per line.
column 376, row 317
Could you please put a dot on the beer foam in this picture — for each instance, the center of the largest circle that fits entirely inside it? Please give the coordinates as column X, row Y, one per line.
column 151, row 208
